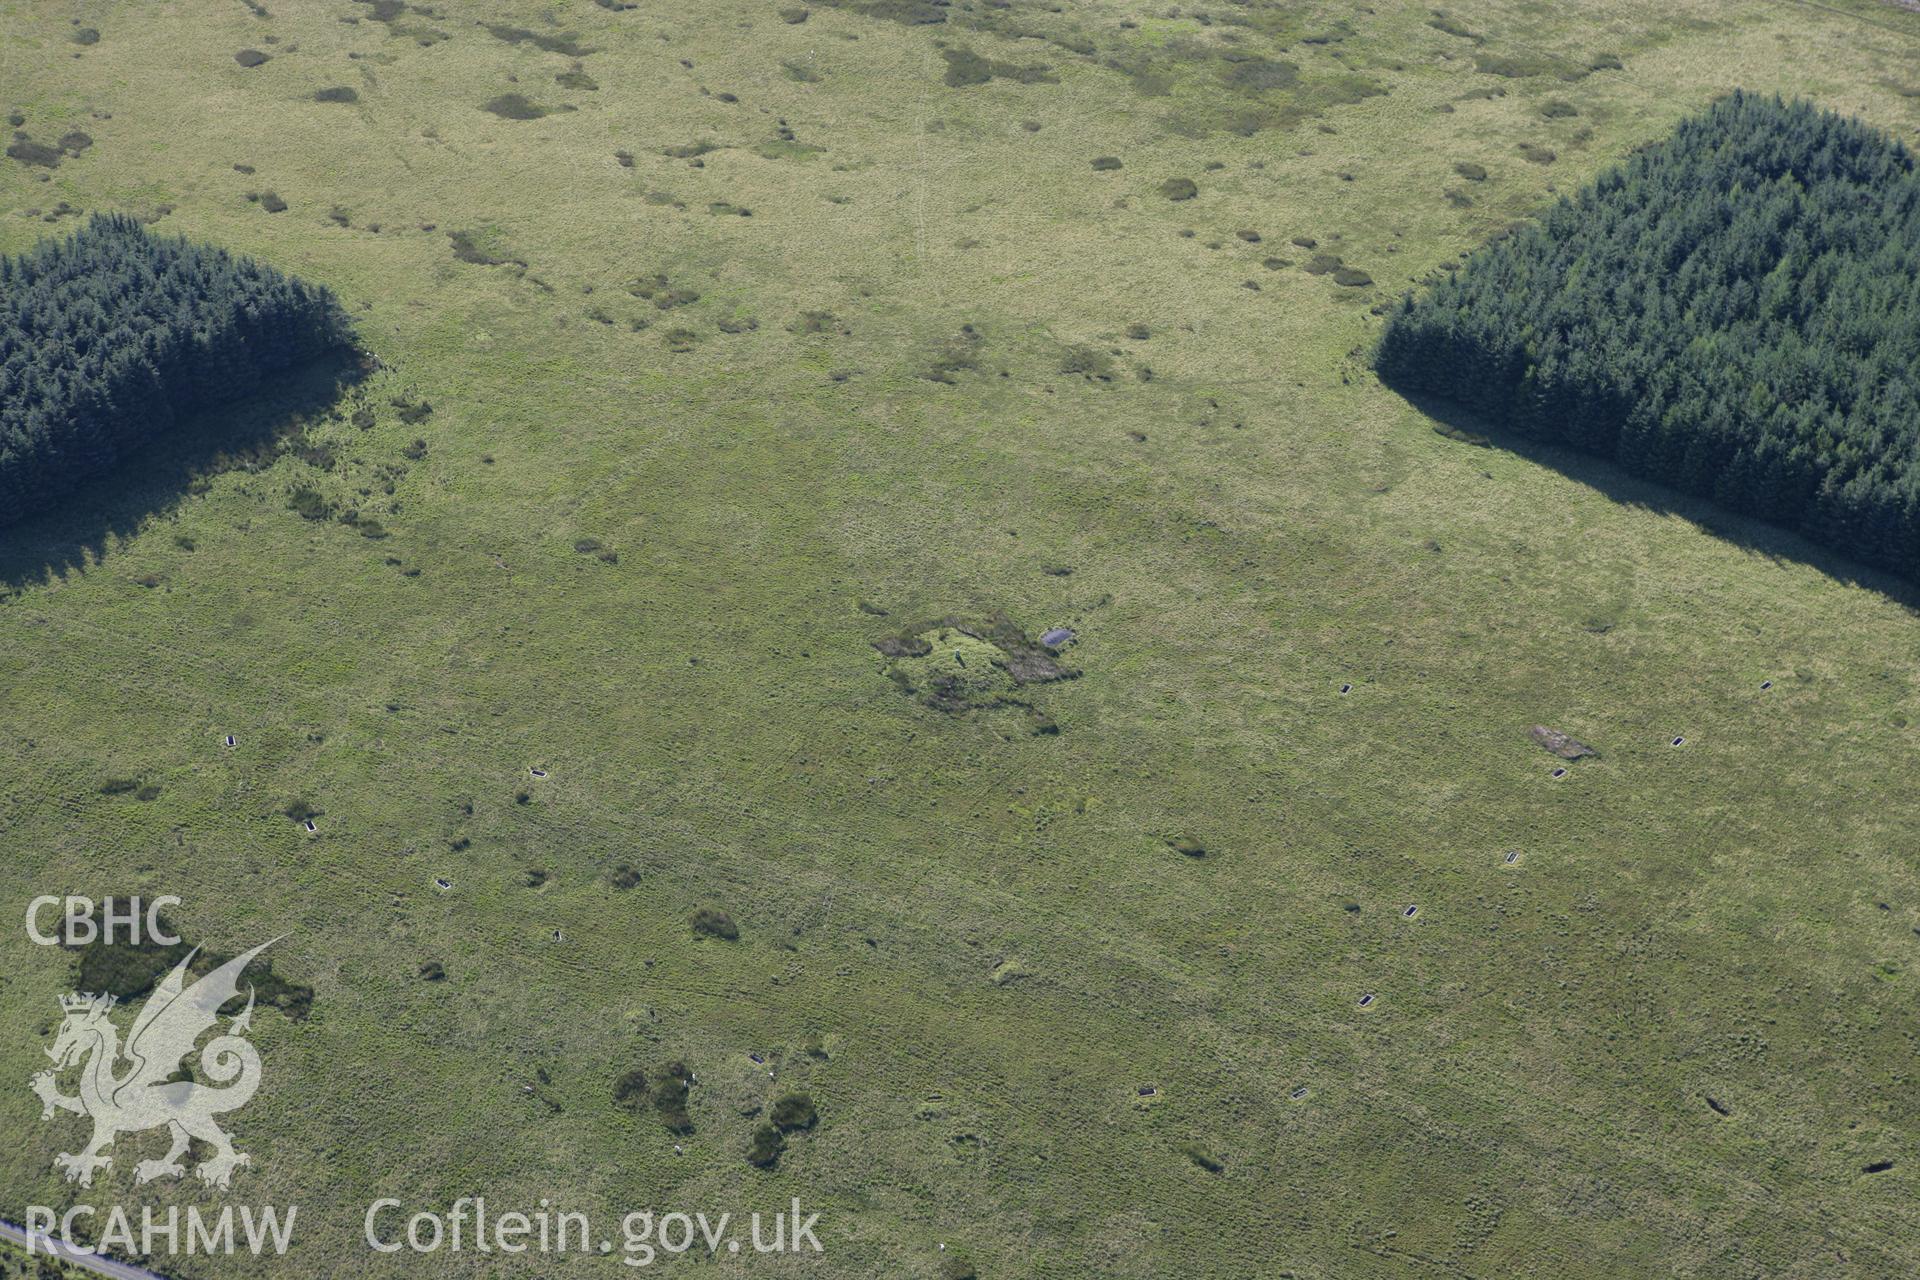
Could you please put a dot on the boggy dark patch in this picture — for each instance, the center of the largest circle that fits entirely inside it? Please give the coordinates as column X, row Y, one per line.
column 1324, row 264
column 1524, row 66
column 911, row 13
column 954, row 356
column 661, row 292
column 965, row 67
column 564, row 42
column 1250, row 85
column 1260, row 74
column 130, row 970
column 27, row 151
column 1251, row 91
column 469, row 246
column 514, row 106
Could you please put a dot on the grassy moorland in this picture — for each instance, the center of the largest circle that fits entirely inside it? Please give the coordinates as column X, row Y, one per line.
column 776, row 338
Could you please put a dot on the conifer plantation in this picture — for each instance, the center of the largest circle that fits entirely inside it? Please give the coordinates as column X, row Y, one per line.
column 1734, row 312
column 107, row 338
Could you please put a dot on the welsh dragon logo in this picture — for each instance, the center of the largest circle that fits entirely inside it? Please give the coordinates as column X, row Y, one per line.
column 143, row 1093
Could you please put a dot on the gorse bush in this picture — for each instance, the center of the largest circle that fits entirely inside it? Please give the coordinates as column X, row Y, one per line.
column 670, row 1098
column 764, row 1151
column 630, row 1090
column 1735, row 312
column 108, row 337
column 794, row 1111
column 711, row 922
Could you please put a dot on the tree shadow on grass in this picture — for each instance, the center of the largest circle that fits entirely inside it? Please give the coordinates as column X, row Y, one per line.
column 1614, row 481
column 156, row 478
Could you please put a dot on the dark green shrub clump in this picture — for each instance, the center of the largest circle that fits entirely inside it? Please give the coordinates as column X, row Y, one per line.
column 27, row 151
column 965, row 68
column 1735, row 312
column 514, row 106
column 107, row 338
column 764, row 1151
column 128, row 970
column 670, row 1099
column 1202, row 1157
column 710, row 922
column 630, row 1090
column 309, row 503
column 794, row 1111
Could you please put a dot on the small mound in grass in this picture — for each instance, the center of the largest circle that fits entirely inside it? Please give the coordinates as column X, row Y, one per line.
column 564, row 42
column 957, row 665
column 339, row 93
column 514, row 106
column 966, row 68
column 1203, row 1158
column 251, row 58
column 473, row 246
column 1562, row 745
column 27, row 151
column 711, row 922
column 794, row 1112
column 764, row 1151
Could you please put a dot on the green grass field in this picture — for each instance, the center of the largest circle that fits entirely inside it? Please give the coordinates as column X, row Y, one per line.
column 912, row 387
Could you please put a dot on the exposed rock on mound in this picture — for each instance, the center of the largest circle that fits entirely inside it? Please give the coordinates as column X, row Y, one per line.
column 1560, row 744
column 958, row 665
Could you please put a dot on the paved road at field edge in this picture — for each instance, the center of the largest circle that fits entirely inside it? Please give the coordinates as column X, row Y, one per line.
column 44, row 1245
